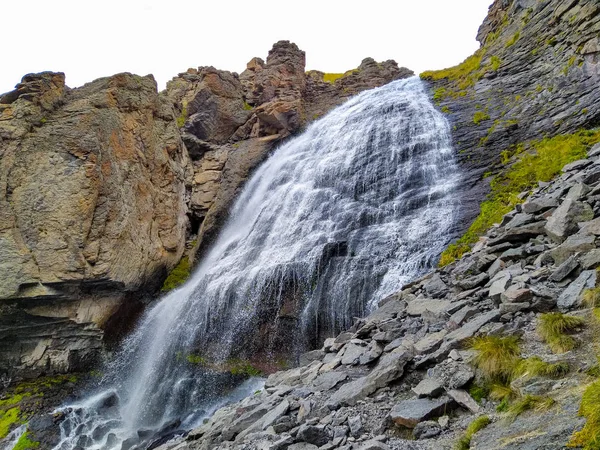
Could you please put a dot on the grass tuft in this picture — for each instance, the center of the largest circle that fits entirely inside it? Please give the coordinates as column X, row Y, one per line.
column 553, row 328
column 497, row 357
column 527, row 403
column 589, row 437
column 534, row 366
column 464, row 443
column 591, row 297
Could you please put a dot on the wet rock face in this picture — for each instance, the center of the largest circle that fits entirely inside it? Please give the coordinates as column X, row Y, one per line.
column 536, row 74
column 230, row 122
column 92, row 209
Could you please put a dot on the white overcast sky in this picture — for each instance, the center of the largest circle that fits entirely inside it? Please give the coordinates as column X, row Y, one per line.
column 91, row 39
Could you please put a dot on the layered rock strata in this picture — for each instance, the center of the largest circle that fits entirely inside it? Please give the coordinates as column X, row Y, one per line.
column 92, row 213
column 536, row 74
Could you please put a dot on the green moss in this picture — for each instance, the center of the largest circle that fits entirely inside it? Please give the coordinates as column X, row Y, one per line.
column 24, row 443
column 534, row 162
column 480, row 116
column 247, row 107
column 464, row 443
column 183, row 116
column 178, row 275
column 440, row 94
column 243, row 368
column 8, row 418
column 495, row 63
column 195, row 359
column 479, row 392
column 461, row 77
column 331, row 77
column 445, row 110
column 513, row 40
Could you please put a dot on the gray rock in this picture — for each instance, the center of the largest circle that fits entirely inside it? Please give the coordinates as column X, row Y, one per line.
column 521, row 218
column 571, row 246
column 428, row 387
column 473, row 282
column 577, row 165
column 499, row 284
column 563, row 221
column 418, row 307
column 462, row 315
column 520, row 234
column 374, row 351
column 316, row 435
column 516, row 295
column 571, row 296
column 389, row 368
column 496, row 267
column 591, row 227
column 430, row 342
column 408, row 413
column 513, row 254
column 435, row 287
column 329, row 380
column 578, row 191
column 303, row 446
column 284, row 443
column 427, row 430
column 356, row 426
column 315, row 355
column 464, row 399
column 591, row 259
column 353, row 352
column 509, row 308
column 537, row 205
column 373, row 445
column 565, row 269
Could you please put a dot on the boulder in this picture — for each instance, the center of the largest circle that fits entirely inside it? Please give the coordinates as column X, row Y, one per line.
column 565, row 269
column 427, row 430
column 563, row 222
column 408, row 413
column 572, row 245
column 428, row 387
column 316, row 435
column 571, row 296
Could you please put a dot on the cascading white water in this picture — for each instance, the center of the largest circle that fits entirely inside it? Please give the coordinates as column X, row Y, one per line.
column 335, row 220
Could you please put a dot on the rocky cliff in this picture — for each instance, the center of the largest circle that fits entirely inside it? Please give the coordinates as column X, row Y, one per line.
column 536, row 74
column 230, row 122
column 92, row 213
column 99, row 195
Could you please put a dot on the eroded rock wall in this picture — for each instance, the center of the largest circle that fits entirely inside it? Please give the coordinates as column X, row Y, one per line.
column 230, row 122
column 536, row 74
column 92, row 212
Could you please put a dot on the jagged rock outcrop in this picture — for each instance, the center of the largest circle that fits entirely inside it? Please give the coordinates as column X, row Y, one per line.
column 536, row 75
column 230, row 122
column 92, row 212
column 407, row 366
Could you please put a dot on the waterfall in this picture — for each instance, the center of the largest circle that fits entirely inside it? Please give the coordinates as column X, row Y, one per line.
column 335, row 220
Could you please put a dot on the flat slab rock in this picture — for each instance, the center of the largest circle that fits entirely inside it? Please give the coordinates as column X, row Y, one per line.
column 408, row 413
